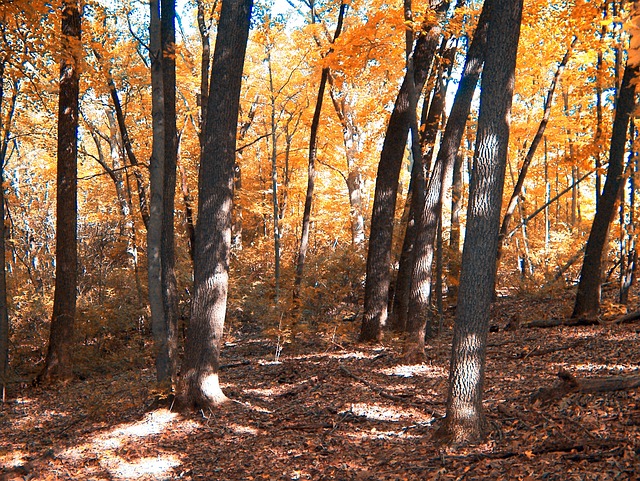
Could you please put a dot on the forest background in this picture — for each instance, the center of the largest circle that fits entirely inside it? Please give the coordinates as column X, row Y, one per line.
column 580, row 48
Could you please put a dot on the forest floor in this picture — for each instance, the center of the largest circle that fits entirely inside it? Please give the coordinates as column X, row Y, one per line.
column 325, row 407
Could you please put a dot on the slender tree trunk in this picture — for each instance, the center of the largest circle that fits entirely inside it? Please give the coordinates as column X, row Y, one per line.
column 199, row 386
column 311, row 178
column 587, row 302
column 440, row 180
column 156, row 181
column 4, row 312
column 465, row 420
column 454, row 233
column 58, row 362
column 167, row 242
column 384, row 204
column 517, row 190
column 274, row 182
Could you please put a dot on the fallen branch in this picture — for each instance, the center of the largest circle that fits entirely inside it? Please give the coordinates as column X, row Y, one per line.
column 541, row 352
column 569, row 384
column 628, row 318
column 373, row 387
column 544, row 323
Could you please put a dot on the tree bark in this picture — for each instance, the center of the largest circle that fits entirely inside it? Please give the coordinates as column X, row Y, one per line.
column 156, row 181
column 587, row 302
column 379, row 254
column 465, row 420
column 58, row 362
column 199, row 386
column 430, row 210
column 167, row 242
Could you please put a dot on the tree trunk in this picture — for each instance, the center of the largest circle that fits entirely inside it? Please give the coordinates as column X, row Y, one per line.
column 167, row 242
column 588, row 296
column 517, row 190
column 156, row 181
column 431, row 208
column 311, row 178
column 199, row 386
column 465, row 420
column 384, row 204
column 58, row 363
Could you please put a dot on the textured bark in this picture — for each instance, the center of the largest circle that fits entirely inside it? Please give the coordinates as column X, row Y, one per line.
column 587, row 302
column 465, row 420
column 311, row 177
column 430, row 208
column 58, row 362
column 156, row 181
column 199, row 386
column 379, row 254
column 167, row 243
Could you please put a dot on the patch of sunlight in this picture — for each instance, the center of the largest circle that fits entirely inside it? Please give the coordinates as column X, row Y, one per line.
column 374, row 434
column 590, row 367
column 379, row 412
column 258, row 409
column 143, row 467
column 153, row 423
column 336, row 355
column 13, row 459
column 236, row 428
column 415, row 370
column 262, row 362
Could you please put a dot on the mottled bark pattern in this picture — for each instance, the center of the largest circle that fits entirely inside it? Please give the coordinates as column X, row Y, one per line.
column 58, row 363
column 588, row 296
column 376, row 294
column 465, row 421
column 199, row 387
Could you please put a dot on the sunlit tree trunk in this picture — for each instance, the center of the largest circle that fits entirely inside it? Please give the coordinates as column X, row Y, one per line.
column 58, row 362
column 199, row 386
column 465, row 420
column 588, row 295
column 376, row 295
column 430, row 211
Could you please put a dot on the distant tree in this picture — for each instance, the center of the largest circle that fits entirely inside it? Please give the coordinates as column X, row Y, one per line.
column 58, row 362
column 465, row 419
column 4, row 313
column 587, row 302
column 199, row 386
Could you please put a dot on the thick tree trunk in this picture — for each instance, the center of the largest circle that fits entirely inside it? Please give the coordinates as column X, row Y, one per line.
column 430, row 210
column 156, row 181
column 311, row 178
column 199, row 386
column 58, row 363
column 384, row 204
column 465, row 420
column 588, row 295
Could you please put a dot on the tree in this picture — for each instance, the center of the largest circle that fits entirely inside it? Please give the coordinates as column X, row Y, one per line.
column 588, row 295
column 430, row 210
column 379, row 254
column 58, row 362
column 199, row 386
column 465, row 420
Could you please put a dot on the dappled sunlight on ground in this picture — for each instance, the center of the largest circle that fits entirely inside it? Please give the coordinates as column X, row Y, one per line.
column 380, row 412
column 412, row 370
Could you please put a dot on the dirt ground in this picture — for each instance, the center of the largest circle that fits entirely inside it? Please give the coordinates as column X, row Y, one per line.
column 324, row 407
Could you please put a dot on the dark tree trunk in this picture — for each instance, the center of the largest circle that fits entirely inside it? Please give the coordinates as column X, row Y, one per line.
column 384, row 204
column 430, row 210
column 199, row 386
column 588, row 295
column 465, row 421
column 311, row 178
column 167, row 243
column 4, row 312
column 156, row 181
column 58, row 363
